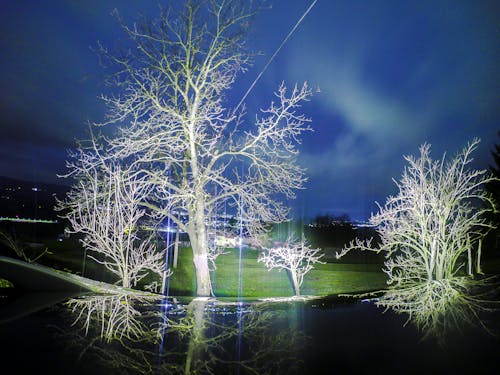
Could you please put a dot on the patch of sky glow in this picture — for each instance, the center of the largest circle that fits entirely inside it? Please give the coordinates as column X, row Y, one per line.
column 392, row 75
column 401, row 76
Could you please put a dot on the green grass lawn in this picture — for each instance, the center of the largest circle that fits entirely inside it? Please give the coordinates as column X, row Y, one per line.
column 257, row 281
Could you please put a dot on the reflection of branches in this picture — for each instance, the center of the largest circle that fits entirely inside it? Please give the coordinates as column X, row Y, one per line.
column 441, row 306
column 276, row 352
column 13, row 243
column 137, row 336
column 119, row 333
column 429, row 231
column 115, row 314
column 241, row 338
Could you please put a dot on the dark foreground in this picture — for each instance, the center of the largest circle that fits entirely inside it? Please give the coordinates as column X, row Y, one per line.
column 121, row 335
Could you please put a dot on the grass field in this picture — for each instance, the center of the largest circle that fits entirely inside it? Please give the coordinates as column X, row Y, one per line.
column 256, row 280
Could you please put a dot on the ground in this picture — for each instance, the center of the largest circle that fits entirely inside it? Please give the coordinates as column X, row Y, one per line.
column 256, row 282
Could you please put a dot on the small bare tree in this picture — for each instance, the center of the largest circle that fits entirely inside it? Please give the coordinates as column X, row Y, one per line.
column 104, row 207
column 196, row 153
column 295, row 257
column 429, row 231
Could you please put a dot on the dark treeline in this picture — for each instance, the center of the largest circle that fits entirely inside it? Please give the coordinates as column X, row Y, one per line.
column 29, row 200
column 492, row 240
column 330, row 233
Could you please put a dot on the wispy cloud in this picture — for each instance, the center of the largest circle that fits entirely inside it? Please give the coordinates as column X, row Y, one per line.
column 390, row 85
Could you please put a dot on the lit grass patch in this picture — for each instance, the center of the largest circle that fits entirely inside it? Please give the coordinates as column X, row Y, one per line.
column 257, row 281
column 5, row 284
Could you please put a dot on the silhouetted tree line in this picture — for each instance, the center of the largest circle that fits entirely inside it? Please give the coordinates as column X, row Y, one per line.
column 29, row 200
column 492, row 240
column 329, row 233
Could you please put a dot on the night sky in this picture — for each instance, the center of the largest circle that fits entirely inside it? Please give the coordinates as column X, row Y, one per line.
column 387, row 76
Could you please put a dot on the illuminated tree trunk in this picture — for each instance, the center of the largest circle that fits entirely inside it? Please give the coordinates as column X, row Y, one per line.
column 478, row 265
column 198, row 237
column 196, row 346
column 469, row 262
column 176, row 248
column 296, row 284
column 200, row 260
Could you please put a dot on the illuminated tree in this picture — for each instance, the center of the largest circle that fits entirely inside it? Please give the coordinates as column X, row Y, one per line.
column 103, row 206
column 429, row 231
column 196, row 154
column 295, row 257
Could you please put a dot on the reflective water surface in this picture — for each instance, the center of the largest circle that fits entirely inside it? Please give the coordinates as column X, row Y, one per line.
column 96, row 334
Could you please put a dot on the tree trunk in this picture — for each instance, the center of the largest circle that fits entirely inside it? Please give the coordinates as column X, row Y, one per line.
column 196, row 347
column 125, row 282
column 469, row 262
column 125, row 275
column 203, row 282
column 176, row 248
column 296, row 286
column 478, row 264
column 198, row 237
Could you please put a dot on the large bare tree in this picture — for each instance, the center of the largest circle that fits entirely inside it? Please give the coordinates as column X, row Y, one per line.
column 429, row 231
column 176, row 128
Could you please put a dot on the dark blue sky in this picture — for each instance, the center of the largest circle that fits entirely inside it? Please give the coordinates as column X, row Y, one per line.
column 391, row 74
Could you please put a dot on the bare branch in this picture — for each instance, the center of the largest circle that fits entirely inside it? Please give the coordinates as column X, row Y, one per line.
column 179, row 143
column 296, row 257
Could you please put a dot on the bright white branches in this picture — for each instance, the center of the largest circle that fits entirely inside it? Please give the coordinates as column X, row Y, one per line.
column 177, row 126
column 295, row 257
column 436, row 218
column 429, row 231
column 103, row 206
column 195, row 154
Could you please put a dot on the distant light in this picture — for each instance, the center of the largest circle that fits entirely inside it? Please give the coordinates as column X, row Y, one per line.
column 34, row 189
column 168, row 229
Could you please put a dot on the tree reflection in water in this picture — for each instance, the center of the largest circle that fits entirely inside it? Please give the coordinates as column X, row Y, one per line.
column 140, row 335
column 441, row 309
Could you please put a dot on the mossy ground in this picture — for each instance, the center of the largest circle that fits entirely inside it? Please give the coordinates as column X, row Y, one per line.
column 5, row 284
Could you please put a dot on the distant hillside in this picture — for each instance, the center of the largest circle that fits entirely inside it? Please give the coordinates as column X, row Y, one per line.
column 31, row 200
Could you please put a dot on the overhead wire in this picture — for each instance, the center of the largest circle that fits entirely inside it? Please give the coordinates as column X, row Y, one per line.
column 304, row 15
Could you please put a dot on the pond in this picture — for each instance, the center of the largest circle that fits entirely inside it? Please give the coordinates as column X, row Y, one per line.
column 95, row 334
